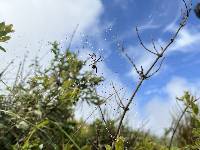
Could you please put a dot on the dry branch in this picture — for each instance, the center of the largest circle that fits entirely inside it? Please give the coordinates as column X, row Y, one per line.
column 145, row 75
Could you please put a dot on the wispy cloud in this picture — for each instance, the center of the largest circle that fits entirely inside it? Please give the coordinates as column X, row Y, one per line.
column 159, row 109
column 149, row 25
column 187, row 41
column 37, row 22
column 42, row 21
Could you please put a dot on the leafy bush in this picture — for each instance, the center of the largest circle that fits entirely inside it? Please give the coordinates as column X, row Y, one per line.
column 39, row 112
column 4, row 31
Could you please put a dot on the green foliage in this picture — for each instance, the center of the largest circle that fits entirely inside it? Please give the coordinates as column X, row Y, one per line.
column 32, row 131
column 196, row 134
column 130, row 139
column 108, row 147
column 41, row 108
column 146, row 143
column 119, row 145
column 188, row 133
column 4, row 31
column 37, row 112
column 87, row 135
column 150, row 144
column 189, row 101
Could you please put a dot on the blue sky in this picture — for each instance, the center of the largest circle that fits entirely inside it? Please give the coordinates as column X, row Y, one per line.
column 103, row 23
column 156, row 20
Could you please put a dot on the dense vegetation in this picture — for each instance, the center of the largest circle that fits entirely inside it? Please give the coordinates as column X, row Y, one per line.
column 37, row 112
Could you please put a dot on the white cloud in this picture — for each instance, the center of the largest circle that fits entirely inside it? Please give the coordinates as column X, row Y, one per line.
column 36, row 17
column 104, row 89
column 188, row 38
column 159, row 109
column 123, row 4
column 36, row 22
column 178, row 85
column 158, row 115
column 148, row 25
column 187, row 41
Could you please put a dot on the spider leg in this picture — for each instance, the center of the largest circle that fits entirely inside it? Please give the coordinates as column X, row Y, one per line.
column 98, row 59
column 92, row 56
column 96, row 69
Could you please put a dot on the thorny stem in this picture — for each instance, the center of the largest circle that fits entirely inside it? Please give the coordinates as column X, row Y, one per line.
column 163, row 50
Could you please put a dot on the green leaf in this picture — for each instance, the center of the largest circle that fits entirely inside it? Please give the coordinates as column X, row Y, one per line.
column 108, row 147
column 9, row 28
column 119, row 145
column 195, row 109
column 4, row 38
column 66, row 134
column 68, row 147
column 86, row 147
column 55, row 47
column 2, row 25
column 33, row 130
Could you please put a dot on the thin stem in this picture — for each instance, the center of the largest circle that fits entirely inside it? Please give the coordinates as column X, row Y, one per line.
column 148, row 71
column 177, row 124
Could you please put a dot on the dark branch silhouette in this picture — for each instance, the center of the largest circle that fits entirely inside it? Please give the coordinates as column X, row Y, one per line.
column 145, row 74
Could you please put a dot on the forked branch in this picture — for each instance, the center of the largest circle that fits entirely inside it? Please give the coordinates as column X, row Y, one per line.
column 146, row 74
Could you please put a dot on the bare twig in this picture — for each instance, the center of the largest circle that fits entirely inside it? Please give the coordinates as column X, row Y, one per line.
column 128, row 57
column 154, row 46
column 72, row 37
column 22, row 68
column 6, row 68
column 141, row 42
column 3, row 72
column 163, row 50
column 121, row 103
column 105, row 122
column 157, row 69
column 17, row 75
